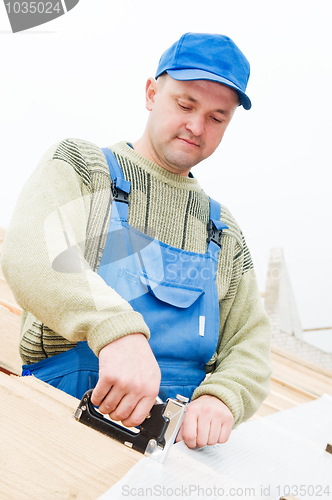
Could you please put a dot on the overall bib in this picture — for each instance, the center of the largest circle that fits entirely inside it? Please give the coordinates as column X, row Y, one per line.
column 175, row 291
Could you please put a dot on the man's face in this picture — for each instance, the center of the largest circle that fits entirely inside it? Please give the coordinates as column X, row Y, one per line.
column 187, row 120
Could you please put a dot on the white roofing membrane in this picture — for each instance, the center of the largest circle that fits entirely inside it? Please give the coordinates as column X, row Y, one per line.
column 281, row 454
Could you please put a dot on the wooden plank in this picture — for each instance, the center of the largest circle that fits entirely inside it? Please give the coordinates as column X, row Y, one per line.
column 275, row 405
column 9, row 339
column 45, row 453
column 297, row 371
column 263, row 411
column 295, row 360
column 289, row 398
column 306, row 379
column 277, row 400
column 297, row 392
column 284, row 394
column 14, row 309
column 317, row 329
column 10, row 313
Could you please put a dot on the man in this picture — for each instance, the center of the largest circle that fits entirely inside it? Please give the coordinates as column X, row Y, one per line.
column 159, row 261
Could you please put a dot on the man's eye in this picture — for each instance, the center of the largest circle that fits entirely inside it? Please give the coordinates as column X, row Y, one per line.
column 185, row 108
column 216, row 120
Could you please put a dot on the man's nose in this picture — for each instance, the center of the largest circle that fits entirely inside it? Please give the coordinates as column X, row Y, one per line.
column 196, row 125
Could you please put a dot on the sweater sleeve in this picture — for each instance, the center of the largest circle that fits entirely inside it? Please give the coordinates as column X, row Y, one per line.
column 242, row 365
column 43, row 260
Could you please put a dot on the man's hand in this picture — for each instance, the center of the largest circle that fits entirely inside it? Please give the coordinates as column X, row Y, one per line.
column 129, row 380
column 207, row 421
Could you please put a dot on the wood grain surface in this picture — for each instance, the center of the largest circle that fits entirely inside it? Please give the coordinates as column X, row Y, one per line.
column 45, row 453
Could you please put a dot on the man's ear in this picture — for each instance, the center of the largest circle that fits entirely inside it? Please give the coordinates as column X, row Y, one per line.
column 150, row 93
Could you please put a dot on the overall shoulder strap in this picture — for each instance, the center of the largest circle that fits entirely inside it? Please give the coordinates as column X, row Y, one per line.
column 215, row 227
column 120, row 187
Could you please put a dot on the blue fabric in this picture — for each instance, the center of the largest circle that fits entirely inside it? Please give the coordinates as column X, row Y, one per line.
column 173, row 289
column 114, row 167
column 219, row 225
column 214, row 209
column 116, row 174
column 74, row 371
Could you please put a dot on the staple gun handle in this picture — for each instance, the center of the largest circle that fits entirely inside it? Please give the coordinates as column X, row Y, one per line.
column 153, row 427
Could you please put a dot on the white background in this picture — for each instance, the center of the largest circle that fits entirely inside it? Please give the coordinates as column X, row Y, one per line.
column 83, row 75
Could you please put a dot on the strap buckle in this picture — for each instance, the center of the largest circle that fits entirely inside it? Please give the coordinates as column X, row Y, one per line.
column 214, row 234
column 119, row 194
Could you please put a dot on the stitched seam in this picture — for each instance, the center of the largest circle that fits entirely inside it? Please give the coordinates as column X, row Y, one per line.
column 42, row 341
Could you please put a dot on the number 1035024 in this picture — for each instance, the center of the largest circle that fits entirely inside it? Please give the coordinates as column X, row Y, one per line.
column 305, row 490
column 33, row 7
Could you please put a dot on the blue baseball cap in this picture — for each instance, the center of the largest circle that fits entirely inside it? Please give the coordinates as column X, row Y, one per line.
column 204, row 56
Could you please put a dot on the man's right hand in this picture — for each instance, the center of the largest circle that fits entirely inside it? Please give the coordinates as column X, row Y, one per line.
column 129, row 380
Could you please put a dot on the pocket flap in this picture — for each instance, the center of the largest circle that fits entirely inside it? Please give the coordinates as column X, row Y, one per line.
column 174, row 294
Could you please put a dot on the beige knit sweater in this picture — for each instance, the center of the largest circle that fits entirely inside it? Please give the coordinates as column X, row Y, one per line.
column 66, row 205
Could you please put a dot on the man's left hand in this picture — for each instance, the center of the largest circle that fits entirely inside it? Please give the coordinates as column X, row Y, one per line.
column 207, row 421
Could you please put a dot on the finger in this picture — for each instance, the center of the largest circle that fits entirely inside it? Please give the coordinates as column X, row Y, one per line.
column 225, row 431
column 189, row 429
column 203, row 431
column 100, row 392
column 124, row 409
column 214, row 433
column 139, row 412
column 112, row 401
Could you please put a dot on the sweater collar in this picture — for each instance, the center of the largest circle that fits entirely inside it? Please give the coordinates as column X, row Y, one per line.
column 163, row 175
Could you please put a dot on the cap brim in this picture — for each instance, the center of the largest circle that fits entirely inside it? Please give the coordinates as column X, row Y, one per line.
column 198, row 74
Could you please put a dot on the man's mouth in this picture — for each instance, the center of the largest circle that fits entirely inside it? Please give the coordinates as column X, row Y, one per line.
column 188, row 141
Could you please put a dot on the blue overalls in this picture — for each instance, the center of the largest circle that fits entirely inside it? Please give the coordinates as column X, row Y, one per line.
column 175, row 291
